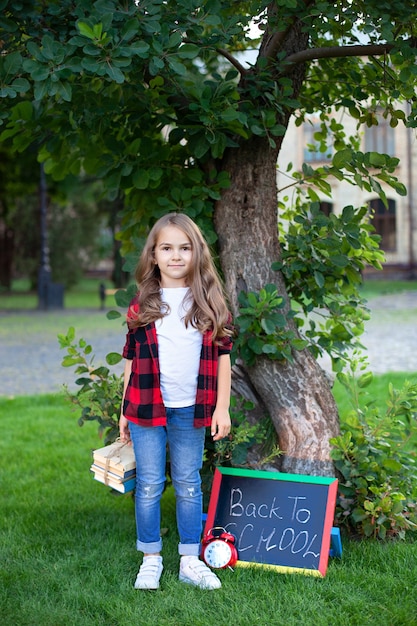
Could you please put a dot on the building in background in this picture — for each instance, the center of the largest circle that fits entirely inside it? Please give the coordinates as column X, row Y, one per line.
column 396, row 225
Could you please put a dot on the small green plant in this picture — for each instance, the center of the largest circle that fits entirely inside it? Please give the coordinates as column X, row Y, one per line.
column 234, row 450
column 100, row 394
column 376, row 457
column 263, row 327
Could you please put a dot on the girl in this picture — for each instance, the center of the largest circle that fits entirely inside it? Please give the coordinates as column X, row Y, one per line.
column 177, row 382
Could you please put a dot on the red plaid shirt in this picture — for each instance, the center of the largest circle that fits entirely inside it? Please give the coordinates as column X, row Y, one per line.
column 143, row 402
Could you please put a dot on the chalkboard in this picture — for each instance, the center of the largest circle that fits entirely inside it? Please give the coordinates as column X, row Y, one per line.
column 278, row 520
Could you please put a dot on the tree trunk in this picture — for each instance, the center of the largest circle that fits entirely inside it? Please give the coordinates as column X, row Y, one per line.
column 6, row 255
column 296, row 395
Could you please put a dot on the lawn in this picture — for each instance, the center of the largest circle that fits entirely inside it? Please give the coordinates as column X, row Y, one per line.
column 68, row 556
column 84, row 295
column 67, row 543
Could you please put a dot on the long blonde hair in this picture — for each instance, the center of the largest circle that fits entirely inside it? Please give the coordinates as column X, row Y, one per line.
column 208, row 308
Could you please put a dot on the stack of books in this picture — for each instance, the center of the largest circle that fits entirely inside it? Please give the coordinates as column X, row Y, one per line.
column 115, row 466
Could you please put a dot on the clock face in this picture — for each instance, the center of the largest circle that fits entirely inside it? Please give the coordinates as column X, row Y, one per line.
column 218, row 553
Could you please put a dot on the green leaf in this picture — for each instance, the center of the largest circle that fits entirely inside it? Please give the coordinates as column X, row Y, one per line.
column 268, row 326
column 174, row 40
column 65, row 91
column 342, row 158
column 85, row 30
column 365, row 379
column 340, row 260
column 255, row 345
column 115, row 74
column 7, row 92
column 21, row 85
column 140, row 179
column 12, row 63
column 376, row 159
column 319, row 278
column 100, row 371
column 188, row 51
column 113, row 315
column 113, row 358
column 392, row 465
column 122, row 298
column 83, row 381
column 91, row 64
column 269, row 348
column 256, row 129
column 240, row 454
column 69, row 361
column 176, row 66
column 49, row 47
column 140, row 48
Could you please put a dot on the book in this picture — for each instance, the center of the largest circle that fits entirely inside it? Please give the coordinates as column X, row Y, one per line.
column 118, row 457
column 120, row 478
column 117, row 472
column 121, row 487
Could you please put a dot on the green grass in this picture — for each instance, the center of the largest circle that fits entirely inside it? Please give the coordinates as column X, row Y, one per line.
column 372, row 288
column 67, row 550
column 377, row 391
column 85, row 295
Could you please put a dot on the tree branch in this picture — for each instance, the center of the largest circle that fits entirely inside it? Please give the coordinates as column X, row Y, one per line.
column 232, row 60
column 276, row 39
column 338, row 51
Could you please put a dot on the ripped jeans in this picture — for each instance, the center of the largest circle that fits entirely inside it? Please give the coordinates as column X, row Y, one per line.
column 186, row 447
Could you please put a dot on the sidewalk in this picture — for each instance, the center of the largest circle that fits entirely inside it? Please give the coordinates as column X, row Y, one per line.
column 35, row 367
column 31, row 364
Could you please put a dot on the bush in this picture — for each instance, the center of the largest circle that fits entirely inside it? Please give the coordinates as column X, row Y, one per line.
column 101, row 391
column 376, row 458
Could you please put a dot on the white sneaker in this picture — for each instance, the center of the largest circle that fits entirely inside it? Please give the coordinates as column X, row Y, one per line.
column 195, row 572
column 149, row 573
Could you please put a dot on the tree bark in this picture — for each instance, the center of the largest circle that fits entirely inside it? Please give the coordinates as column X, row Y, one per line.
column 296, row 395
column 6, row 255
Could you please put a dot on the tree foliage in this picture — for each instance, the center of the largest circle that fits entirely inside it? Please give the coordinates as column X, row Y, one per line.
column 149, row 95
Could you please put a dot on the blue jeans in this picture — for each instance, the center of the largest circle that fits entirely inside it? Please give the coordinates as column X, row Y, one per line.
column 186, row 447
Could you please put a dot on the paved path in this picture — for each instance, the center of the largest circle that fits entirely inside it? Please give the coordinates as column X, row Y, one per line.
column 30, row 362
column 30, row 355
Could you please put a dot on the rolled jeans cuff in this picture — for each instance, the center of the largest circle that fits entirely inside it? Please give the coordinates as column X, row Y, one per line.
column 149, row 548
column 188, row 549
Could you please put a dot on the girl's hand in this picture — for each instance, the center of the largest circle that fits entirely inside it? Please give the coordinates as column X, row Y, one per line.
column 124, row 429
column 220, row 424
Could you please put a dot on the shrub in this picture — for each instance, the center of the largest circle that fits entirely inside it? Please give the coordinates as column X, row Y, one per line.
column 376, row 457
column 100, row 394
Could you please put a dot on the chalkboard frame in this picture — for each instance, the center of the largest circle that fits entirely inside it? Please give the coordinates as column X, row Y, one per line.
column 329, row 483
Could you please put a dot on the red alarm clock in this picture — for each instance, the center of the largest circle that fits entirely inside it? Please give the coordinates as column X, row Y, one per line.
column 218, row 549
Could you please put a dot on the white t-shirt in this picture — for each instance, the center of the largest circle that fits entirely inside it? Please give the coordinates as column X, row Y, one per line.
column 179, row 351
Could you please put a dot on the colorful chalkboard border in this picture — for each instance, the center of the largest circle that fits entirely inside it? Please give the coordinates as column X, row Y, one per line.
column 330, row 482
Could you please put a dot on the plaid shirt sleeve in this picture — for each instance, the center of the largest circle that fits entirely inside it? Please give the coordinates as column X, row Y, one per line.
column 143, row 398
column 207, row 378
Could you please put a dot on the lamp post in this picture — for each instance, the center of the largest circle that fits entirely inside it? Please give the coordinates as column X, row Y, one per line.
column 50, row 295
